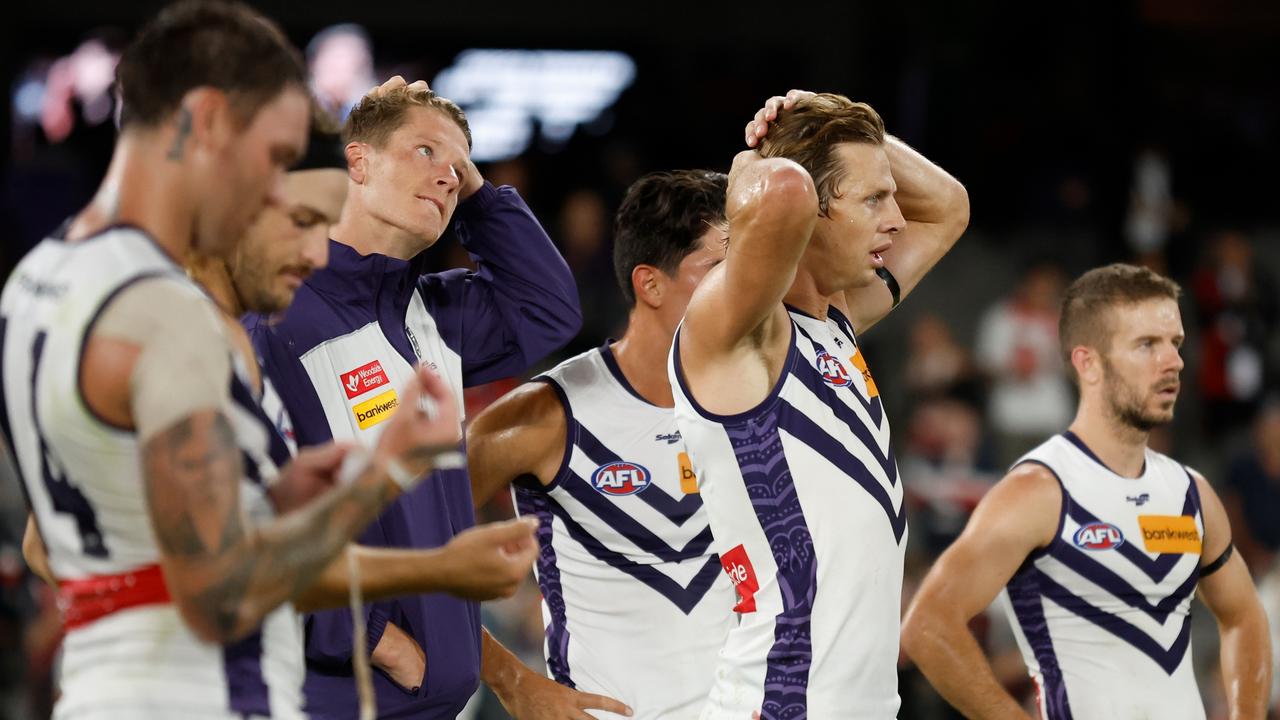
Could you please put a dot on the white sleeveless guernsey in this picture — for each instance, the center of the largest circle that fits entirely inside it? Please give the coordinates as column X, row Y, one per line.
column 807, row 510
column 635, row 603
column 83, row 480
column 1102, row 614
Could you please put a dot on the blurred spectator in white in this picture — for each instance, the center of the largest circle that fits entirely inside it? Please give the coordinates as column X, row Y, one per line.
column 340, row 59
column 1017, row 348
column 935, row 361
column 1152, row 212
column 1238, row 313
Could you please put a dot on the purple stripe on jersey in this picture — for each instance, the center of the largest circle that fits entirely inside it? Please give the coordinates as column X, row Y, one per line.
column 677, row 511
column 630, row 528
column 537, row 504
column 828, row 396
column 1168, row 660
column 246, row 690
column 834, row 313
column 1102, row 576
column 757, row 446
column 1024, row 595
column 1062, row 513
column 1159, row 567
column 686, row 598
column 871, row 405
column 563, row 470
column 804, row 429
column 606, row 354
column 276, row 447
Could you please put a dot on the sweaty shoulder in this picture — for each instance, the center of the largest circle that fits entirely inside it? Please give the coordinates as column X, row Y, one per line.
column 524, row 432
column 181, row 352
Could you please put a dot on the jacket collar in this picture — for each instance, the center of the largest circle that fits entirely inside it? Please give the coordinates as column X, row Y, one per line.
column 359, row 278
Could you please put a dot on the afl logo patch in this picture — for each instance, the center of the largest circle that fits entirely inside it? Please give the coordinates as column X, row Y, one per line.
column 1098, row 536
column 620, row 478
column 832, row 371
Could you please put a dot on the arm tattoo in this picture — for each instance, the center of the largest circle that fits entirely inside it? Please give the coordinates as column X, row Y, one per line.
column 184, row 131
column 231, row 575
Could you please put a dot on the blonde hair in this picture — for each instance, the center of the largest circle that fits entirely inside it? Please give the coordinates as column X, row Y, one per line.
column 376, row 116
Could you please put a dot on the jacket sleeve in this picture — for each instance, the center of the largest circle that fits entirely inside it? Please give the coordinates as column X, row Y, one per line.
column 519, row 306
column 329, row 631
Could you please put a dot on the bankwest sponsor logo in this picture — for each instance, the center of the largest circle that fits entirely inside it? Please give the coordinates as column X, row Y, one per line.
column 363, row 379
column 861, row 363
column 1169, row 533
column 743, row 577
column 371, row 412
column 688, row 480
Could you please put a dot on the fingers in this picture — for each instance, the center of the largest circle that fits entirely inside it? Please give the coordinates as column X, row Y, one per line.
column 437, row 390
column 512, row 534
column 396, row 82
column 601, row 702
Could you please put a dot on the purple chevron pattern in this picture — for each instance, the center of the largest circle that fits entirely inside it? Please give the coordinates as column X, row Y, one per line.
column 1024, row 594
column 758, row 448
column 537, row 504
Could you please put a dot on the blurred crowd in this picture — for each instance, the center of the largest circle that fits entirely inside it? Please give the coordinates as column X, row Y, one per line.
column 970, row 366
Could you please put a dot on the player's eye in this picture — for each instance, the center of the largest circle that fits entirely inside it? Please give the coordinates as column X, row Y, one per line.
column 425, row 151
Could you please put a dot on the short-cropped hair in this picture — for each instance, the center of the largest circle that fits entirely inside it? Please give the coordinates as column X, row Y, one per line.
column 376, row 116
column 661, row 218
column 200, row 43
column 1086, row 317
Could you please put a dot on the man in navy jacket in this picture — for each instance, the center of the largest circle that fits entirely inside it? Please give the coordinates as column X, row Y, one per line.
column 359, row 326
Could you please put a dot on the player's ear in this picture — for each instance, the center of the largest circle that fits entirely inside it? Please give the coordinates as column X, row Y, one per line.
column 1087, row 363
column 205, row 119
column 357, row 161
column 647, row 283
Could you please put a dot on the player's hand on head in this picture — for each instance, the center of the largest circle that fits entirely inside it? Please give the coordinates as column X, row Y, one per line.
column 491, row 561
column 470, row 180
column 539, row 698
column 395, row 82
column 426, row 422
column 759, row 125
column 311, row 473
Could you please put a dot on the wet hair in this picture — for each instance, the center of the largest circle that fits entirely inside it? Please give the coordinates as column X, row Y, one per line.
column 375, row 117
column 661, row 218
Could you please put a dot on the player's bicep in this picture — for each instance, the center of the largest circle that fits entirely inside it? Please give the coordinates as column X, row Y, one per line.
column 1229, row 591
column 772, row 209
column 1017, row 517
column 523, row 433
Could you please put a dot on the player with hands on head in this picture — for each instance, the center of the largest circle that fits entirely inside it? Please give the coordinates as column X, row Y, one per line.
column 356, row 326
column 1095, row 543
column 831, row 223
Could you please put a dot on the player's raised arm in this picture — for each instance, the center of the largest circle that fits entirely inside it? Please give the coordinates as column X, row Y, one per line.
column 936, row 209
column 1019, row 515
column 771, row 208
column 934, row 206
column 1229, row 593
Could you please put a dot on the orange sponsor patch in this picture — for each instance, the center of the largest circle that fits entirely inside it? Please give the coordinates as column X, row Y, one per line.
column 688, row 481
column 1169, row 533
column 861, row 363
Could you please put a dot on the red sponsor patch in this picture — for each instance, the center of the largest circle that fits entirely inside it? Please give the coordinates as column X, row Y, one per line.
column 743, row 576
column 363, row 379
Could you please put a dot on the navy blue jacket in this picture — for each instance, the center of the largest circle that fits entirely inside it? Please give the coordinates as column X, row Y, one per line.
column 351, row 337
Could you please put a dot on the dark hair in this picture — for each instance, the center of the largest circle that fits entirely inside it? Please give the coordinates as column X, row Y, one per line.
column 1085, row 319
column 809, row 132
column 200, row 43
column 661, row 219
column 377, row 115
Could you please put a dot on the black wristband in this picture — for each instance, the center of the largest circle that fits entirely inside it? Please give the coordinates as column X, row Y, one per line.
column 890, row 282
column 1216, row 565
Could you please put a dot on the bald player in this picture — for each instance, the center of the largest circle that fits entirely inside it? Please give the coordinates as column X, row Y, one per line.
column 1096, row 543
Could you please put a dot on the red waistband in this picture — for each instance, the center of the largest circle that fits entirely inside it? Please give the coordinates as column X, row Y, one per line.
column 87, row 599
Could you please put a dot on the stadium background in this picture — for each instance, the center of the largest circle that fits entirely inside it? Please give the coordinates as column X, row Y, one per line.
column 1085, row 132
